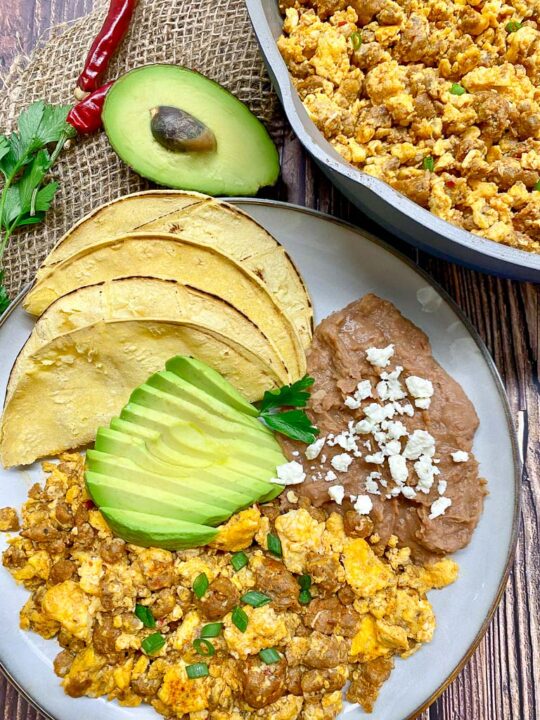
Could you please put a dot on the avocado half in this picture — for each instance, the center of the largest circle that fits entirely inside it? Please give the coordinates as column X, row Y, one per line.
column 180, row 129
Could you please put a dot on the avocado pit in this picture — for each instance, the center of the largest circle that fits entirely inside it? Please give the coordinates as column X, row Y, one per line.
column 179, row 131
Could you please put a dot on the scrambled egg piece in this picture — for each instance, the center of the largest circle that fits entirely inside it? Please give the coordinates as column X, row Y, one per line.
column 265, row 629
column 181, row 694
column 365, row 572
column 69, row 605
column 238, row 533
column 300, row 534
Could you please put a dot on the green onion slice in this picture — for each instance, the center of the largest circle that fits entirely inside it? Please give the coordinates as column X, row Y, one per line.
column 304, row 581
column 145, row 616
column 513, row 26
column 153, row 643
column 198, row 670
column 239, row 560
column 270, row 656
column 204, row 647
column 457, row 89
column 273, row 543
column 255, row 598
column 240, row 619
column 356, row 40
column 537, row 186
column 304, row 597
column 200, row 585
column 211, row 630
column 429, row 163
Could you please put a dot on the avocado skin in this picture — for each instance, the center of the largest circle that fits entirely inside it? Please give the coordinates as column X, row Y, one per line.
column 151, row 531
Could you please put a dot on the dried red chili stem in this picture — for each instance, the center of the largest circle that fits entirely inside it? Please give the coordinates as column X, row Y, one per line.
column 104, row 46
column 85, row 116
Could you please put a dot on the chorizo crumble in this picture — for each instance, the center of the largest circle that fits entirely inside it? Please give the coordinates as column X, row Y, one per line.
column 336, row 608
column 440, row 99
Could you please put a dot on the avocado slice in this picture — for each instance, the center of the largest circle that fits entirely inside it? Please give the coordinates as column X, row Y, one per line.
column 113, row 492
column 152, row 531
column 183, row 130
column 210, row 381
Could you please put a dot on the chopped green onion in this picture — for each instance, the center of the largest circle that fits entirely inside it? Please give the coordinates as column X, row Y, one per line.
column 255, row 598
column 457, row 89
column 198, row 670
column 429, row 163
column 273, row 543
column 211, row 630
column 270, row 656
column 204, row 647
column 304, row 597
column 145, row 616
column 537, row 186
column 239, row 560
column 240, row 619
column 356, row 40
column 513, row 26
column 304, row 581
column 153, row 643
column 200, row 585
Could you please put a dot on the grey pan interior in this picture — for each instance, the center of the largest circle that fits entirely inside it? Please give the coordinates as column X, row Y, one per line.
column 378, row 200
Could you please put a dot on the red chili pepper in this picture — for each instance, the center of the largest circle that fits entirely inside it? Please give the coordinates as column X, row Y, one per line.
column 104, row 46
column 85, row 116
column 89, row 504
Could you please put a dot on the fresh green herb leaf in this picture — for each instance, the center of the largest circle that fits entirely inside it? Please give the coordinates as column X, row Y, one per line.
column 356, row 40
column 304, row 581
column 269, row 656
column 204, row 647
column 255, row 598
column 200, row 585
column 429, row 163
column 240, row 619
column 211, row 630
column 273, row 543
column 457, row 89
column 45, row 196
column 304, row 597
column 513, row 26
column 239, row 560
column 145, row 616
column 197, row 670
column 4, row 297
column 292, row 423
column 295, row 395
column 152, row 643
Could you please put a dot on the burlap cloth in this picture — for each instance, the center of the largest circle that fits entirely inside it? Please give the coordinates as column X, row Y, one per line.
column 212, row 36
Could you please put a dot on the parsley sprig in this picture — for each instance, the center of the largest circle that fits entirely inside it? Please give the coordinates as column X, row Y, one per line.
column 26, row 156
column 292, row 423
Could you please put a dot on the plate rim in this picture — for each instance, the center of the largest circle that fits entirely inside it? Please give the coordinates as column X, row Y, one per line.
column 518, row 468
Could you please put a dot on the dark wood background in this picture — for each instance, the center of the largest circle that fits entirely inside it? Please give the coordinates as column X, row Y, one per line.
column 502, row 680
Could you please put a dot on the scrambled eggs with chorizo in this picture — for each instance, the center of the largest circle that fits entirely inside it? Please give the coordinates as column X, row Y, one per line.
column 272, row 633
column 440, row 99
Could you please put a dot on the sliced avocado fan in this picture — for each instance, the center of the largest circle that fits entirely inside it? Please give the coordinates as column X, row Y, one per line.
column 186, row 453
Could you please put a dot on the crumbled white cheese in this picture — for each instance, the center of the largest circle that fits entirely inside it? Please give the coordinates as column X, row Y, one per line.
column 441, row 487
column 460, row 456
column 323, row 459
column 365, row 427
column 341, row 462
column 380, row 357
column 390, row 388
column 426, row 472
column 363, row 505
column 377, row 413
column 363, row 391
column 345, row 440
column 394, row 429
column 371, row 483
column 406, row 409
column 312, row 451
column 292, row 497
column 419, row 443
column 439, row 507
column 408, row 492
column 423, row 403
column 337, row 493
column 419, row 387
column 330, row 476
column 376, row 459
column 295, row 453
column 392, row 447
column 291, row 473
column 398, row 469
column 367, row 444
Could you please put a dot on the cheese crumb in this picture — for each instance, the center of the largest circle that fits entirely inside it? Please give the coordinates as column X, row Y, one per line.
column 292, row 497
column 330, row 476
column 363, row 505
column 398, row 469
column 423, row 403
column 460, row 456
column 441, row 487
column 376, row 459
column 337, row 493
column 291, row 473
column 363, row 391
column 419, row 387
column 408, row 492
column 419, row 443
column 439, row 507
column 341, row 462
column 380, row 357
column 426, row 472
column 313, row 450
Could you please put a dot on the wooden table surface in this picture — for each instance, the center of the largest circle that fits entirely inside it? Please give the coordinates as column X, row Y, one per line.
column 502, row 680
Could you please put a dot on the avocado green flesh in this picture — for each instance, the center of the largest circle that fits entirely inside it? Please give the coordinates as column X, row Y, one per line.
column 148, row 530
column 211, row 382
column 245, row 158
column 113, row 492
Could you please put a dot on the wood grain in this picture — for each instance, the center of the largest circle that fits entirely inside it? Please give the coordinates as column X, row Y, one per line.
column 502, row 680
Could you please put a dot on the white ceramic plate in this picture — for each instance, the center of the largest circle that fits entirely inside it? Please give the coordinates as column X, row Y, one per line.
column 339, row 264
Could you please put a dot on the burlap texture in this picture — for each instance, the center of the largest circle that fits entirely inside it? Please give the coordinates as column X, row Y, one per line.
column 212, row 36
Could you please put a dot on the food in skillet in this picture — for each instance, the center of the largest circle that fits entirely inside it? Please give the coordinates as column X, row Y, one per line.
column 439, row 99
